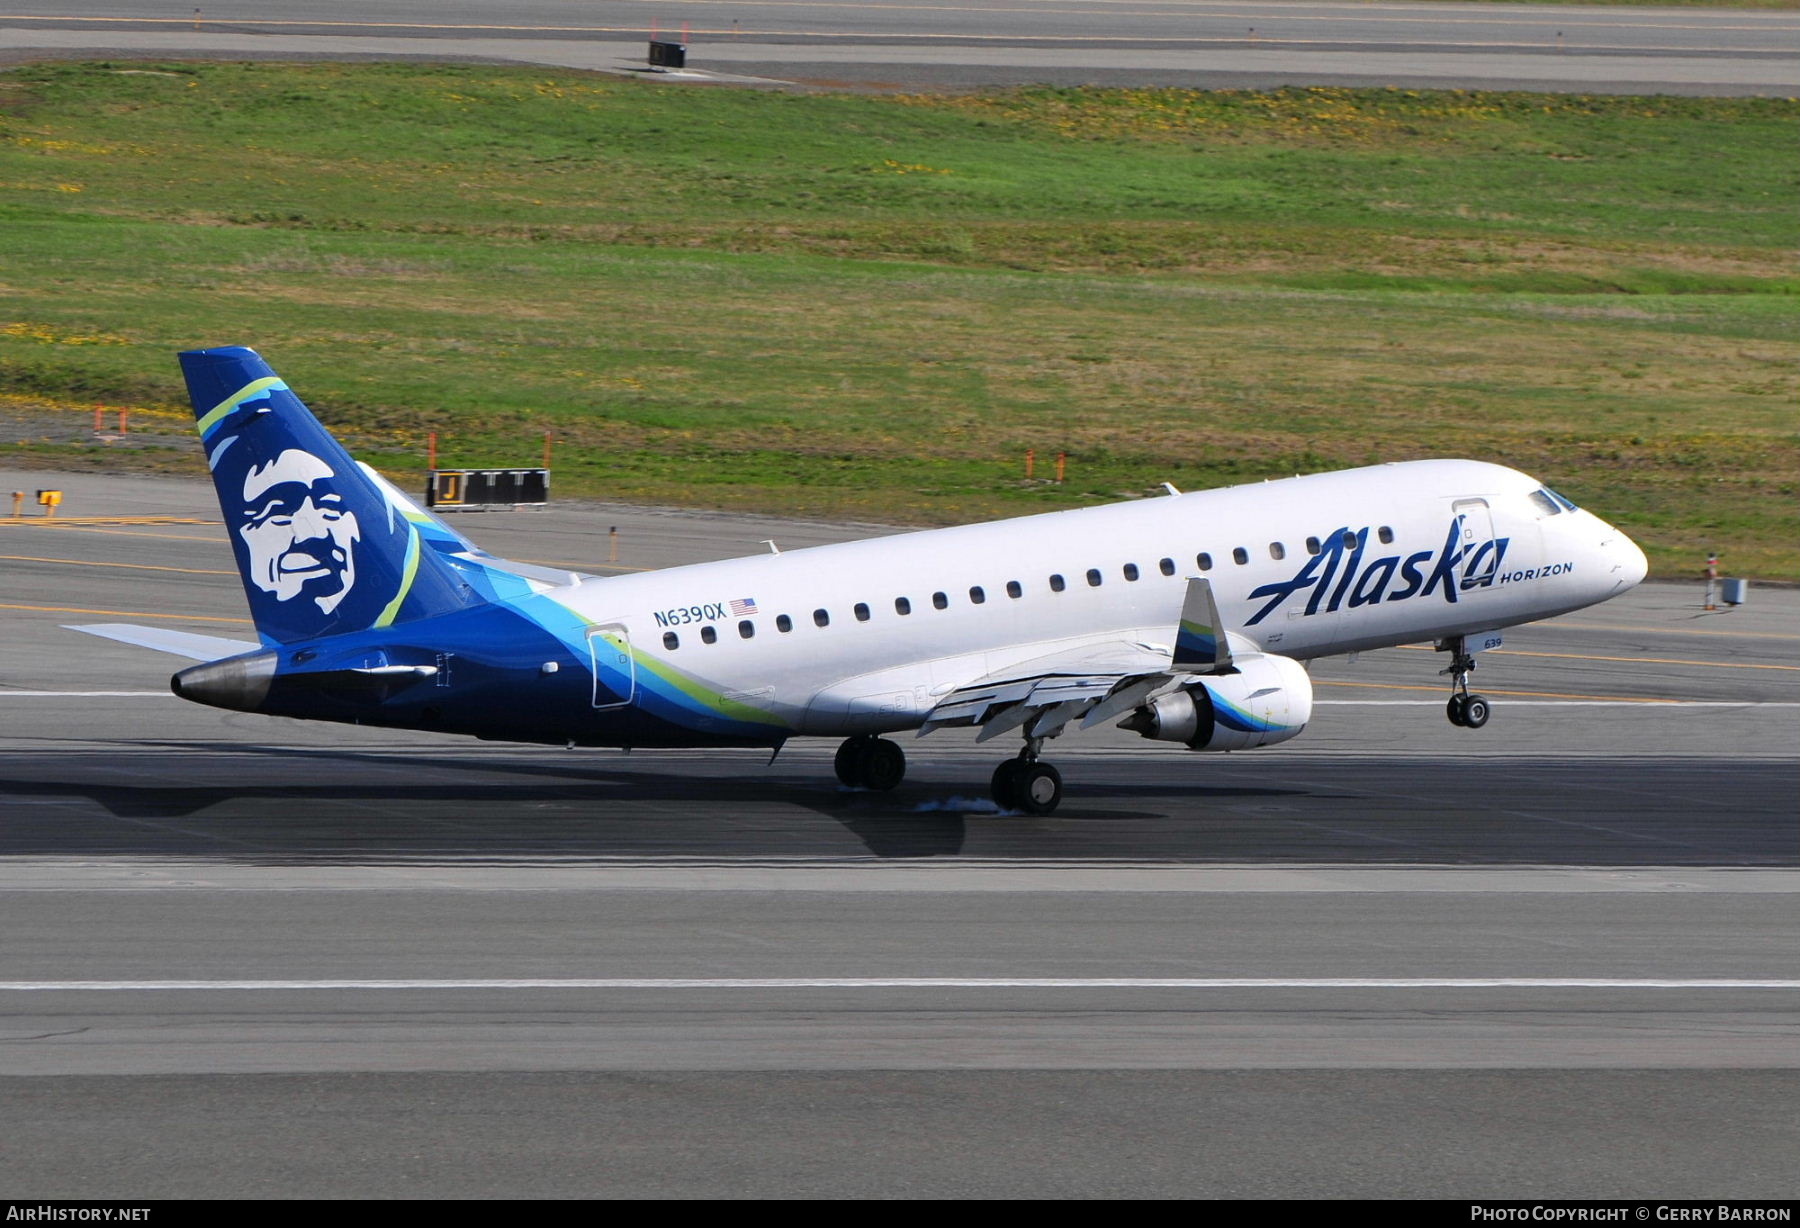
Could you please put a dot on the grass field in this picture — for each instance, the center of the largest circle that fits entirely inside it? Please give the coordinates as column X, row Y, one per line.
column 872, row 307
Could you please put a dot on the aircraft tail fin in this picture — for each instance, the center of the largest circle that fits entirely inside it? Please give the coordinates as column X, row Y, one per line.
column 321, row 547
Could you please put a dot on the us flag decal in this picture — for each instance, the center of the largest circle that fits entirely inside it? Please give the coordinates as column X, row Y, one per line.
column 741, row 606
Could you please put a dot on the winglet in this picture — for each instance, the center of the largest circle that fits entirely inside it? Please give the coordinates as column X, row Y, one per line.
column 1201, row 645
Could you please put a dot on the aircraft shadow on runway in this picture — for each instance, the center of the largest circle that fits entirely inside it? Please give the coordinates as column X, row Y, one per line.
column 365, row 806
column 590, row 811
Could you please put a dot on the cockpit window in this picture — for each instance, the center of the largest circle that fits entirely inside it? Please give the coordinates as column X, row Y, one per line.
column 1545, row 503
column 1567, row 506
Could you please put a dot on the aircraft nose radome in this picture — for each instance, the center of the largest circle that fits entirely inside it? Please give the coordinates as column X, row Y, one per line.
column 1632, row 565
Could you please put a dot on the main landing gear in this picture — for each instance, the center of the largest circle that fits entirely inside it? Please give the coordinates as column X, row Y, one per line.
column 1022, row 784
column 866, row 762
column 1469, row 711
column 1025, row 784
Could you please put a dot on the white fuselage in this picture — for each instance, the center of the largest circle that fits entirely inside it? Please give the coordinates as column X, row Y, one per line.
column 1434, row 549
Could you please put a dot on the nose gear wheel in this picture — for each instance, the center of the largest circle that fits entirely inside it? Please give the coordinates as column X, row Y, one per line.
column 1464, row 709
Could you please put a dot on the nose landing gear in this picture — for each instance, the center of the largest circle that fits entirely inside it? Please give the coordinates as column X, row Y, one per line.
column 866, row 762
column 1464, row 709
column 1025, row 784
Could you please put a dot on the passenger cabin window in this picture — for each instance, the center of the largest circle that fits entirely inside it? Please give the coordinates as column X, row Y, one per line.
column 1056, row 584
column 1312, row 545
column 746, row 629
column 708, row 635
column 1277, row 551
column 902, row 606
column 861, row 611
column 821, row 618
column 940, row 601
column 1386, row 535
column 1014, row 589
column 1093, row 577
column 976, row 595
column 783, row 623
column 1167, row 567
column 1131, row 571
column 1545, row 503
column 1239, row 555
column 671, row 641
column 1203, row 561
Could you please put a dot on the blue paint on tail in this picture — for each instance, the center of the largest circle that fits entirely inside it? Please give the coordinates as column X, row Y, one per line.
column 322, row 548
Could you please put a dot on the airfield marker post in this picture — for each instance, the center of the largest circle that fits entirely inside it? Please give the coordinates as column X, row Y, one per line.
column 122, row 427
column 18, row 503
column 431, row 450
column 1062, row 459
column 612, row 544
column 98, row 410
column 1030, row 461
column 1712, row 579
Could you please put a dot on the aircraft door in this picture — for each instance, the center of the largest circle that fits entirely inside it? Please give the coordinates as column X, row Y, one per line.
column 1480, row 550
column 614, row 668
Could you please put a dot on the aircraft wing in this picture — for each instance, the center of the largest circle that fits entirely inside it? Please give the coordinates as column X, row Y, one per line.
column 181, row 643
column 1093, row 682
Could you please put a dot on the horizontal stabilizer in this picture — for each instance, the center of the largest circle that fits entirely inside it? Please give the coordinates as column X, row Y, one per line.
column 181, row 643
column 550, row 577
column 438, row 534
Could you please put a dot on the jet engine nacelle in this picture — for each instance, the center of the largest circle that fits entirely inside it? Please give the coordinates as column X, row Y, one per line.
column 1268, row 700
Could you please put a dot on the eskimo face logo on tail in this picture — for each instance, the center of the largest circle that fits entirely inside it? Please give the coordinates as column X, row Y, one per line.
column 1339, row 579
column 300, row 536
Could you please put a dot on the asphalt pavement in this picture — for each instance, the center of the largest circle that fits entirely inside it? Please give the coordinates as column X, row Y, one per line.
column 245, row 956
column 911, row 46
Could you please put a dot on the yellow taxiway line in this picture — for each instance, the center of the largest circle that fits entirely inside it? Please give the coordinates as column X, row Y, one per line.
column 192, row 571
column 1400, row 686
column 59, row 522
column 1582, row 656
column 67, row 609
column 1746, row 635
column 82, row 528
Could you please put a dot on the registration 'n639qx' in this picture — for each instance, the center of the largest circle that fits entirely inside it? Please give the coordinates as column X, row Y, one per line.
column 1188, row 619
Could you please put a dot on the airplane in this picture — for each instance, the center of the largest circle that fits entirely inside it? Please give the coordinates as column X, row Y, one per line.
column 1187, row 618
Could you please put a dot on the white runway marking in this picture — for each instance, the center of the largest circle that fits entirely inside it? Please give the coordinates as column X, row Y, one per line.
column 1402, row 983
column 87, row 694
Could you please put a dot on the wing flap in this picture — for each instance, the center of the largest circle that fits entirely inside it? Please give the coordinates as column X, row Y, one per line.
column 1047, row 692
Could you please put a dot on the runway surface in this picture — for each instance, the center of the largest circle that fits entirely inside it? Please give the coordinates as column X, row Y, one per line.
column 916, row 45
column 1555, row 957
